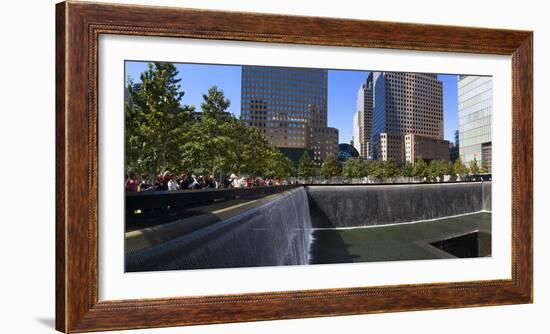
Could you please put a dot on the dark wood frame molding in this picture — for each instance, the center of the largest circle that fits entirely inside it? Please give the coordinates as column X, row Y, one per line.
column 78, row 25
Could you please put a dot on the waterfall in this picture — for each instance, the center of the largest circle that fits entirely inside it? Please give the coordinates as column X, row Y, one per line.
column 272, row 234
column 279, row 231
column 366, row 205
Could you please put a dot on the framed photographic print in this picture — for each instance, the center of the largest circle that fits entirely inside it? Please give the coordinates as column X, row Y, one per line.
column 225, row 166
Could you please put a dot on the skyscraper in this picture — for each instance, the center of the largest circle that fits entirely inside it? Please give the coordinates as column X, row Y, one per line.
column 362, row 122
column 454, row 147
column 408, row 104
column 475, row 109
column 357, row 131
column 289, row 106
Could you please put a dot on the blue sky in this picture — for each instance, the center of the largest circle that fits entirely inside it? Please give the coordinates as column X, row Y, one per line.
column 342, row 92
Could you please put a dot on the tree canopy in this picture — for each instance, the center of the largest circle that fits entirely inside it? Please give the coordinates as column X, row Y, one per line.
column 162, row 134
column 305, row 166
column 277, row 164
column 155, row 119
column 407, row 169
column 420, row 169
column 214, row 102
column 459, row 168
column 330, row 167
column 473, row 167
column 352, row 169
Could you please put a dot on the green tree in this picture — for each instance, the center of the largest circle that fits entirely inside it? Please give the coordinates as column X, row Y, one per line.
column 253, row 149
column 288, row 167
column 214, row 103
column 278, row 165
column 473, row 167
column 375, row 169
column 352, row 169
column 421, row 168
column 330, row 167
column 363, row 168
column 155, row 119
column 305, row 167
column 459, row 168
column 407, row 170
column 389, row 168
column 448, row 167
column 216, row 144
column 208, row 145
column 436, row 169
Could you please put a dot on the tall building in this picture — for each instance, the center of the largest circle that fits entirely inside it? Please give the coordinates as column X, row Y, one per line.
column 407, row 104
column 454, row 148
column 362, row 121
column 357, row 131
column 475, row 109
column 289, row 106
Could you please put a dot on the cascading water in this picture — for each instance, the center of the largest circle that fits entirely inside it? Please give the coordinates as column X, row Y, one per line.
column 366, row 205
column 280, row 232
column 273, row 234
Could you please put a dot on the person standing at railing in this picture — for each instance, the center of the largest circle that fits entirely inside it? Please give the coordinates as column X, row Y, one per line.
column 162, row 183
column 184, row 181
column 172, row 184
column 226, row 183
column 236, row 182
column 132, row 183
column 144, row 185
column 211, row 182
column 195, row 184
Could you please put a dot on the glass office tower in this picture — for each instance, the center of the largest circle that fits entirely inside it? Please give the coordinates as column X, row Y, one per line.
column 475, row 110
column 289, row 106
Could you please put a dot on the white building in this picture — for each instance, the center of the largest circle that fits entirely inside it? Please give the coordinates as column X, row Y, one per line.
column 362, row 120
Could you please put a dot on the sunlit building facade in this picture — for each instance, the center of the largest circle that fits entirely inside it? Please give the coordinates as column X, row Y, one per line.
column 407, row 104
column 425, row 148
column 362, row 121
column 390, row 147
column 357, row 131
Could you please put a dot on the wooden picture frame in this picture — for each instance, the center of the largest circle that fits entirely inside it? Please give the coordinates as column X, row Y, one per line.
column 78, row 26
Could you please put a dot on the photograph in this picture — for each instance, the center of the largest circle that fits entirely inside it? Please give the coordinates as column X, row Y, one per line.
column 232, row 166
column 261, row 165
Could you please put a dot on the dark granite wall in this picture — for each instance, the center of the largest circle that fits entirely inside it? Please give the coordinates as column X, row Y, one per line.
column 273, row 234
column 487, row 196
column 279, row 232
column 365, row 205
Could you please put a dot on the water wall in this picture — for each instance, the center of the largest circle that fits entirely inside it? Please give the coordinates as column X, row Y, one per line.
column 272, row 234
column 364, row 205
column 487, row 196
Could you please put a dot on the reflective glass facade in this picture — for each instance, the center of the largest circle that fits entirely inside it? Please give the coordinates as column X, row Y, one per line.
column 475, row 109
column 289, row 106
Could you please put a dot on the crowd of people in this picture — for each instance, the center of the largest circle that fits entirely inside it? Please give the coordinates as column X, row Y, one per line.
column 169, row 181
